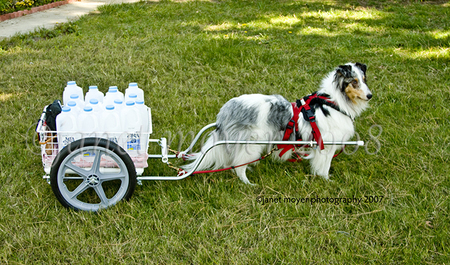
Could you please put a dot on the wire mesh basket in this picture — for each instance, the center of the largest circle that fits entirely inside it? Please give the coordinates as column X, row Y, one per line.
column 52, row 142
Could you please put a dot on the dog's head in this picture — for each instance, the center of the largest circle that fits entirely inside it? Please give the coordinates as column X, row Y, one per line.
column 351, row 80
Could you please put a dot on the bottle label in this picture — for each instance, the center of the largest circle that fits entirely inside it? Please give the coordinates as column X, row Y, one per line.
column 133, row 142
column 67, row 140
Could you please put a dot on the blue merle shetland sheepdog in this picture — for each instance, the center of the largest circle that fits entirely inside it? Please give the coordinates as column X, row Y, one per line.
column 264, row 117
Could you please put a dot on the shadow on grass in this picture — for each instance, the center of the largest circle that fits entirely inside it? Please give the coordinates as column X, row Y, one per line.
column 311, row 23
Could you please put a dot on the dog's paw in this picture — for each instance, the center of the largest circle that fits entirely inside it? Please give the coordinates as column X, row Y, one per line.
column 326, row 177
column 250, row 184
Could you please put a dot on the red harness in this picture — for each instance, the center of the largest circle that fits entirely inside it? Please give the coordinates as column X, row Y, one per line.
column 303, row 106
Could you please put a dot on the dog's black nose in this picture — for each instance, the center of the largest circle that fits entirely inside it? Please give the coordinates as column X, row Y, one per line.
column 369, row 96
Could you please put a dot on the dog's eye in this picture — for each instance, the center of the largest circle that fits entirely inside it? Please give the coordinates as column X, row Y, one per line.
column 354, row 83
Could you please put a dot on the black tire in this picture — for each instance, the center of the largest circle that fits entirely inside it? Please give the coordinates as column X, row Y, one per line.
column 68, row 170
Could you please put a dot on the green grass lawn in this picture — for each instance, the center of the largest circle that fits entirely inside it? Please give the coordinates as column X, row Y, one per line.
column 192, row 57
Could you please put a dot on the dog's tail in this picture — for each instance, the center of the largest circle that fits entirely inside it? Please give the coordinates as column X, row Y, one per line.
column 211, row 157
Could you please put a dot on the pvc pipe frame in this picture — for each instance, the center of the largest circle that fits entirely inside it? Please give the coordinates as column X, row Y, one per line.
column 164, row 156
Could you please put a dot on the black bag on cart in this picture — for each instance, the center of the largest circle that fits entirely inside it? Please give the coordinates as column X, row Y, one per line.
column 51, row 112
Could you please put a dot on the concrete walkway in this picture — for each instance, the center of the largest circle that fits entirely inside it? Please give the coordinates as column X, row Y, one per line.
column 49, row 18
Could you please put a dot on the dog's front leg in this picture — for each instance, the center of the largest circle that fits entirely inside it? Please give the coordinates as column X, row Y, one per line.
column 321, row 162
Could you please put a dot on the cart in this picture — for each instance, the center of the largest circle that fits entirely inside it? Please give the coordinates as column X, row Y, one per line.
column 95, row 172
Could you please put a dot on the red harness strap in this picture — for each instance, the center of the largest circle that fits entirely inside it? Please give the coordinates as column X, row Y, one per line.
column 312, row 121
column 291, row 126
column 303, row 106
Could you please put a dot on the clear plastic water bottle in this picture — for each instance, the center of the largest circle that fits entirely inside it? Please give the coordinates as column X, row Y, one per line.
column 66, row 126
column 118, row 104
column 132, row 124
column 76, row 109
column 145, row 114
column 96, row 106
column 78, row 100
column 112, row 94
column 94, row 93
column 88, row 123
column 71, row 89
column 131, row 97
column 111, row 125
column 146, row 121
column 134, row 89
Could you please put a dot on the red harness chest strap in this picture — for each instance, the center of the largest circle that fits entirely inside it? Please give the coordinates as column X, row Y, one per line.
column 303, row 106
column 312, row 121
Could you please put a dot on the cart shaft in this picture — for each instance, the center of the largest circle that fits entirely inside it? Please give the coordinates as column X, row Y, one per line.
column 197, row 162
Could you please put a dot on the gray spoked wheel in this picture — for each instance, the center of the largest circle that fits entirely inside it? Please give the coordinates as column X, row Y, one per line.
column 92, row 174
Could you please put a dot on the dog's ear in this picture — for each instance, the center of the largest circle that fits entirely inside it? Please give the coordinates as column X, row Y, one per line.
column 362, row 66
column 344, row 71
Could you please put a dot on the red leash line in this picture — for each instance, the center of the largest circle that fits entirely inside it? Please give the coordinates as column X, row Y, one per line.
column 228, row 168
column 216, row 170
column 233, row 167
column 298, row 159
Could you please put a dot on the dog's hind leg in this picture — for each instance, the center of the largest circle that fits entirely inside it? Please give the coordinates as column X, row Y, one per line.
column 240, row 171
column 245, row 154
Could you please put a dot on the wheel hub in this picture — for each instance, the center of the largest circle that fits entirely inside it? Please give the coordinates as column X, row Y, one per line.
column 93, row 180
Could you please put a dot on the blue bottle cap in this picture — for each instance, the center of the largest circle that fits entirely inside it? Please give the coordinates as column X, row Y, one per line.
column 130, row 103
column 87, row 108
column 109, row 107
column 65, row 109
column 118, row 101
column 113, row 89
column 74, row 96
column 93, row 87
column 93, row 101
column 71, row 83
column 71, row 103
